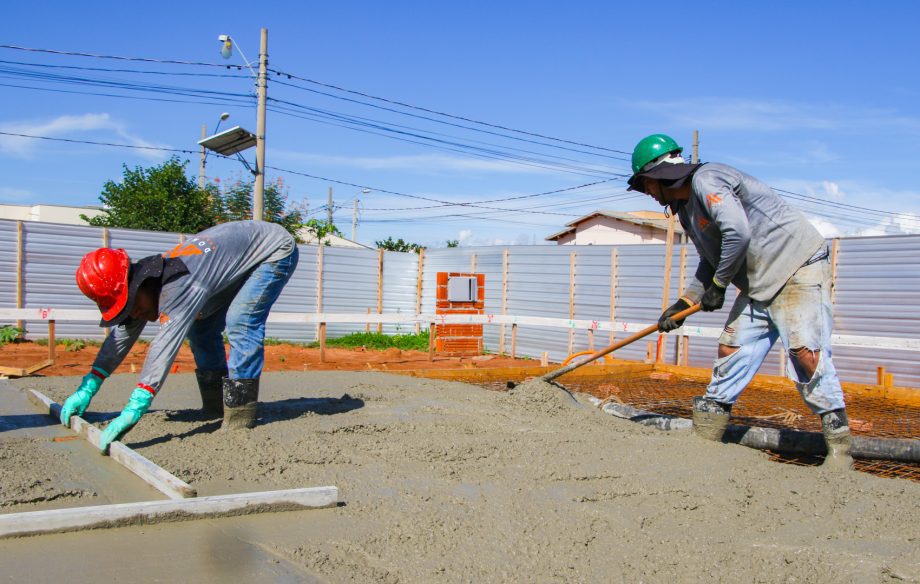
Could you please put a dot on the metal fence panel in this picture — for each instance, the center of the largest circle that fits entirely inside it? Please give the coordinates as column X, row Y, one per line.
column 8, row 265
column 349, row 285
column 400, row 285
column 51, row 255
column 877, row 293
column 298, row 296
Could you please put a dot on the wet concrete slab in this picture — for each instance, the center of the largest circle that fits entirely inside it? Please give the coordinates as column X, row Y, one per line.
column 47, row 466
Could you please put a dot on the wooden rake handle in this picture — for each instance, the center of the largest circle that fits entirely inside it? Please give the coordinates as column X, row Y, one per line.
column 618, row 345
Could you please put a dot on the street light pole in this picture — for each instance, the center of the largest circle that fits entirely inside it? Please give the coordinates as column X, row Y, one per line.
column 262, row 92
column 354, row 220
column 201, row 161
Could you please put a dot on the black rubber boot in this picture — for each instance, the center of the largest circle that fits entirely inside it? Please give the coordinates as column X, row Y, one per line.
column 710, row 418
column 240, row 399
column 836, row 428
column 210, row 385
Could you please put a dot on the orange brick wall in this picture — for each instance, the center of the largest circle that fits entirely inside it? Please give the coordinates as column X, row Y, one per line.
column 459, row 339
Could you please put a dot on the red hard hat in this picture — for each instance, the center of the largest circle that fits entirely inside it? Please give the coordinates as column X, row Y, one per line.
column 103, row 278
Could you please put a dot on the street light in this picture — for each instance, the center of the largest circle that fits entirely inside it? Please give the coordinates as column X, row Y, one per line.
column 226, row 50
column 354, row 215
column 204, row 151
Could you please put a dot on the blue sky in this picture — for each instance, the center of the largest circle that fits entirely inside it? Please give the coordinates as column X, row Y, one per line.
column 817, row 98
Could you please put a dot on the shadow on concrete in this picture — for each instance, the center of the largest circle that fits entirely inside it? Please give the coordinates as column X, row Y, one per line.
column 21, row 421
column 269, row 413
column 289, row 409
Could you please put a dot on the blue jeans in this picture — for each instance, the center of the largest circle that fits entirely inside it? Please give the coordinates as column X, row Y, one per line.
column 244, row 318
column 801, row 316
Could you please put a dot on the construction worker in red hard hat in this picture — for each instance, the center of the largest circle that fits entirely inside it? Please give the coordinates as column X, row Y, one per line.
column 227, row 277
column 746, row 235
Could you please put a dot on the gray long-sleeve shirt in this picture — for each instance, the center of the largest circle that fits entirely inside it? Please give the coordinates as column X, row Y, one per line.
column 219, row 260
column 744, row 232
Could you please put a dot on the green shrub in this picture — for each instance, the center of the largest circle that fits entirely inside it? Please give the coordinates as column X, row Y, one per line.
column 9, row 334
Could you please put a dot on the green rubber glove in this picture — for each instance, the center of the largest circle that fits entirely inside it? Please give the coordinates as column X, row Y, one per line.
column 79, row 400
column 137, row 407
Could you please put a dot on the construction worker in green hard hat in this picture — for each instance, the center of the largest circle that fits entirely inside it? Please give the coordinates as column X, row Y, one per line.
column 746, row 235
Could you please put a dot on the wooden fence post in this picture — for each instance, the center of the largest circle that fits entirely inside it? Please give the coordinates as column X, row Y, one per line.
column 432, row 335
column 514, row 340
column 501, row 334
column 380, row 287
column 682, row 340
column 473, row 263
column 666, row 287
column 572, row 263
column 19, row 283
column 613, row 294
column 319, row 283
column 418, row 288
column 835, row 253
column 322, row 342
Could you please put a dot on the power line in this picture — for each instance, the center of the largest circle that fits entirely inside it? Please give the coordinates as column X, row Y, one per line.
column 139, row 71
column 447, row 115
column 119, row 57
column 94, row 143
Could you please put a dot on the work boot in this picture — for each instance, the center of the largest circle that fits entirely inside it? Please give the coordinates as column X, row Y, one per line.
column 240, row 399
column 210, row 387
column 710, row 418
column 836, row 428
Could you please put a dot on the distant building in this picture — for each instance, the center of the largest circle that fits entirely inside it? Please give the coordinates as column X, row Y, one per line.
column 331, row 240
column 48, row 213
column 617, row 228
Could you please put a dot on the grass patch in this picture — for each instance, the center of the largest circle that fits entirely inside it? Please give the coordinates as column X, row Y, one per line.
column 72, row 345
column 380, row 341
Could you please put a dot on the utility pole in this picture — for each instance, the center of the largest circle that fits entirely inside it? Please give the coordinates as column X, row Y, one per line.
column 262, row 92
column 695, row 153
column 329, row 208
column 201, row 161
column 354, row 220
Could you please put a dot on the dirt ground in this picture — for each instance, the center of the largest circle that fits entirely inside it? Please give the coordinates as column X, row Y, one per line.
column 277, row 358
column 447, row 482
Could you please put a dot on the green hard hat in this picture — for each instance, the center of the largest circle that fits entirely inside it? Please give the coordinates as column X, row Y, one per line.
column 650, row 148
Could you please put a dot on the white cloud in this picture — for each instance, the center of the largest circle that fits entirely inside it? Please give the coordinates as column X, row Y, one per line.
column 723, row 113
column 900, row 224
column 825, row 227
column 465, row 236
column 420, row 163
column 71, row 127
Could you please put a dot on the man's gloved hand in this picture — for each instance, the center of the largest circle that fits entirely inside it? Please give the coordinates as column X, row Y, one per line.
column 713, row 298
column 137, row 407
column 667, row 324
column 79, row 400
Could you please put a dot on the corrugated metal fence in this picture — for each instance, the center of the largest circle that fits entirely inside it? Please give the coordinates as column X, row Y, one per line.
column 877, row 283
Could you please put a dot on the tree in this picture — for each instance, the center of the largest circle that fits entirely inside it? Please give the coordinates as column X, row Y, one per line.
column 398, row 245
column 237, row 204
column 320, row 228
column 159, row 198
column 453, row 243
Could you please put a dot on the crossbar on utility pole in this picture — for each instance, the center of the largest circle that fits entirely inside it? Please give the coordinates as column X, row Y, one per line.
column 262, row 92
